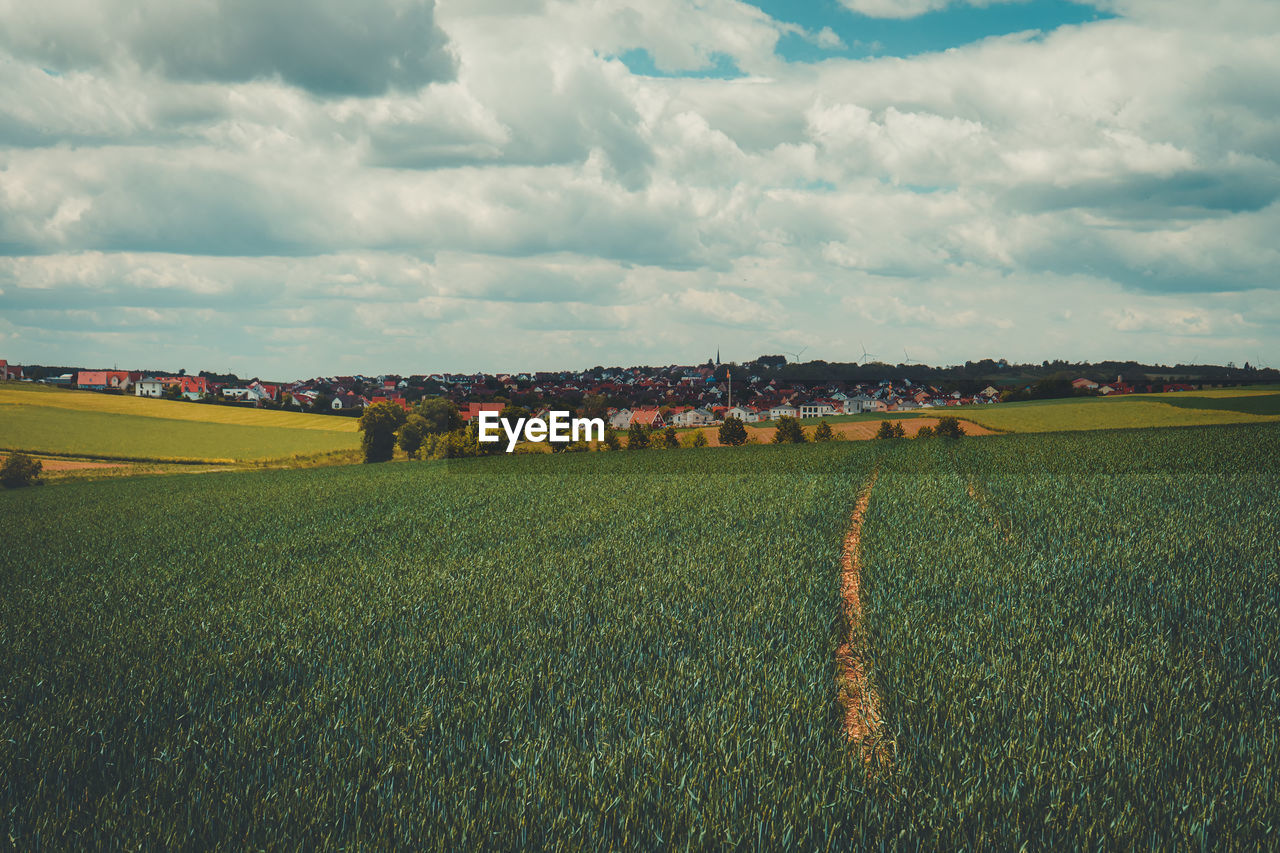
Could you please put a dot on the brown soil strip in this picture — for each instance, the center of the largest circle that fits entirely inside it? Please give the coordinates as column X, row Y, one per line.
column 69, row 465
column 1002, row 526
column 847, row 430
column 858, row 699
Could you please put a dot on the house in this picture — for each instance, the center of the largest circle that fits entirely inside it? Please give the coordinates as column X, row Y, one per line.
column 783, row 410
column 744, row 414
column 692, row 417
column 148, row 387
column 1168, row 389
column 620, row 419
column 10, row 371
column 474, row 409
column 103, row 380
column 1084, row 384
column 396, row 401
column 817, row 409
column 651, row 418
column 347, row 402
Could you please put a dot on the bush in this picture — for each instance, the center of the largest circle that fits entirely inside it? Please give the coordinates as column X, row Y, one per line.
column 669, row 439
column 823, row 431
column 637, row 437
column 788, row 432
column 898, row 430
column 379, row 423
column 20, row 470
column 925, row 431
column 950, row 428
column 611, row 441
column 885, row 431
column 697, row 438
column 733, row 432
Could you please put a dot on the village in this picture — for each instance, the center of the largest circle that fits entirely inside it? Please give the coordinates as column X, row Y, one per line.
column 654, row 397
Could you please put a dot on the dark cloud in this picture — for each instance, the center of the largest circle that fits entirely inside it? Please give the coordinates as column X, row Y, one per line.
column 329, row 47
column 1189, row 194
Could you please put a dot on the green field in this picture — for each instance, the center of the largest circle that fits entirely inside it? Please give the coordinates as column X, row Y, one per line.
column 84, row 423
column 1124, row 412
column 1074, row 637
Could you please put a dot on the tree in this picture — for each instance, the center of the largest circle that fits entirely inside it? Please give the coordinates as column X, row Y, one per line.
column 732, row 432
column 513, row 412
column 411, row 434
column 20, row 470
column 379, row 423
column 950, row 428
column 925, row 431
column 172, row 391
column 322, row 404
column 611, row 440
column 823, row 431
column 885, row 431
column 670, row 441
column 898, row 430
column 788, row 432
column 637, row 437
column 441, row 415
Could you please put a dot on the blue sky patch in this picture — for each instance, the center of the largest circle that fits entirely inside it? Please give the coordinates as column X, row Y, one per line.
column 640, row 61
column 864, row 36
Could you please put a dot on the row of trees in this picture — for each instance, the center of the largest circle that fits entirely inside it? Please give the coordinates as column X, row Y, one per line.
column 434, row 429
column 947, row 428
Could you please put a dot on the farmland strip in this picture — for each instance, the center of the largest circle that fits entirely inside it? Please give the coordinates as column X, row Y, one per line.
column 859, row 701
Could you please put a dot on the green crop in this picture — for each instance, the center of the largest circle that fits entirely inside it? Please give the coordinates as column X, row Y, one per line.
column 1073, row 638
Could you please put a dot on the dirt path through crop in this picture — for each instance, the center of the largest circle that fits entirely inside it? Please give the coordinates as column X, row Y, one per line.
column 859, row 701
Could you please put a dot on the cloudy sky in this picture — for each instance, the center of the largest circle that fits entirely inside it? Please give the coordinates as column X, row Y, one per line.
column 289, row 188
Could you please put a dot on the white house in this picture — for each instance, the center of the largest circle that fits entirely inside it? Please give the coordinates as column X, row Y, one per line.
column 621, row 420
column 149, row 387
column 818, row 409
column 784, row 410
column 747, row 416
column 693, row 417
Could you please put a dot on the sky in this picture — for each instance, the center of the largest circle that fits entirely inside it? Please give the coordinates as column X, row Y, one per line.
column 295, row 188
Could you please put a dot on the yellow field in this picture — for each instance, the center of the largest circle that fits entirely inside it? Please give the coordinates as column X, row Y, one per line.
column 103, row 426
column 25, row 394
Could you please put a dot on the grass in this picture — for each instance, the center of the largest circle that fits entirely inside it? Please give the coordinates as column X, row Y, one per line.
column 1074, row 639
column 86, row 424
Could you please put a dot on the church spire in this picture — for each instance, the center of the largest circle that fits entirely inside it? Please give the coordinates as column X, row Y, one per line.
column 717, row 356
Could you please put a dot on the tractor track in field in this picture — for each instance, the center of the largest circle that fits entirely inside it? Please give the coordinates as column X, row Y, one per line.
column 859, row 701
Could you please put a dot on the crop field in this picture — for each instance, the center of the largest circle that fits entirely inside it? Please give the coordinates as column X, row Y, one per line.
column 1073, row 637
column 1124, row 412
column 83, row 423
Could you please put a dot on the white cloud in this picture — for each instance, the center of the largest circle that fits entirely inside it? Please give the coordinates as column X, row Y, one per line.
column 537, row 194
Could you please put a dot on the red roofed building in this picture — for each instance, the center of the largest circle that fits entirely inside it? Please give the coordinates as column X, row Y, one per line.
column 10, row 371
column 474, row 409
column 648, row 417
column 102, row 380
column 399, row 401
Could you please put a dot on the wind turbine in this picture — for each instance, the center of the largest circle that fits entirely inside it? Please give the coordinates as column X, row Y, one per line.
column 795, row 355
column 865, row 355
column 906, row 358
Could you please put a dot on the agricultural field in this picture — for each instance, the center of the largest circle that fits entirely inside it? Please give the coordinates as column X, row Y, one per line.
column 1072, row 637
column 83, row 423
column 1137, row 411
